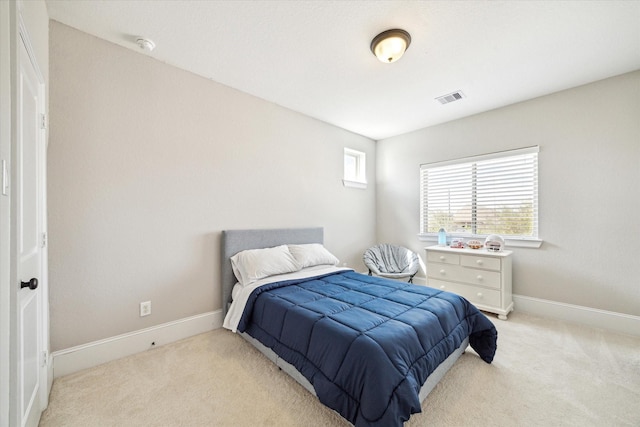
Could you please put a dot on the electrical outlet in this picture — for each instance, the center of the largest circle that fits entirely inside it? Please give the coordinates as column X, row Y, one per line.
column 145, row 308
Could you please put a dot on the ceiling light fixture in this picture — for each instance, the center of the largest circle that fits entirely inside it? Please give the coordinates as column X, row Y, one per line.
column 390, row 45
column 146, row 44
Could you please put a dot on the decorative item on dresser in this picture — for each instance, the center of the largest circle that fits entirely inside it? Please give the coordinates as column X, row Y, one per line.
column 481, row 276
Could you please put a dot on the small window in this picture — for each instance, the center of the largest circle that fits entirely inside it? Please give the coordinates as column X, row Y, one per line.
column 477, row 196
column 355, row 171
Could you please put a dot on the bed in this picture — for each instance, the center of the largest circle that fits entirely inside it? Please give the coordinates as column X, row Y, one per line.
column 369, row 348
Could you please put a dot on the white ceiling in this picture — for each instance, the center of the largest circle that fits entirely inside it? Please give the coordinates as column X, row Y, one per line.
column 313, row 56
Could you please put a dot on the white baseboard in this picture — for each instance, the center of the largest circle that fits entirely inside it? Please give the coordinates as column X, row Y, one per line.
column 609, row 320
column 85, row 356
column 593, row 317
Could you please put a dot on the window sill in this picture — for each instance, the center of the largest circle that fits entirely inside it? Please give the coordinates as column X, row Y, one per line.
column 354, row 184
column 509, row 242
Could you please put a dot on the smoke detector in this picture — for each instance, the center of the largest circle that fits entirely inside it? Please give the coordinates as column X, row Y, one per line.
column 146, row 44
column 451, row 97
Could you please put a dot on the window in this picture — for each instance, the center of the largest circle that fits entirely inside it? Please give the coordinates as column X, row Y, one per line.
column 355, row 171
column 477, row 196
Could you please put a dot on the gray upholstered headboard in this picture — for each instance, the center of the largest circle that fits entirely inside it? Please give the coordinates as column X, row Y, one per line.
column 234, row 241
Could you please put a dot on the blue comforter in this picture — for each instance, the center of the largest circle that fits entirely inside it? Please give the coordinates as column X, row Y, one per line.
column 366, row 344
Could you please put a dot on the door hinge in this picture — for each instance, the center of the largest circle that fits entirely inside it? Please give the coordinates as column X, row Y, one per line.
column 5, row 178
column 43, row 121
column 44, row 240
column 45, row 358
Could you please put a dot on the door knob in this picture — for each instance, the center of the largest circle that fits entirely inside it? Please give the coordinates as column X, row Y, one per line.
column 31, row 284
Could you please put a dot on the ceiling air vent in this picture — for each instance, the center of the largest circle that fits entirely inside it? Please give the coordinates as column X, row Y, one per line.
column 455, row 96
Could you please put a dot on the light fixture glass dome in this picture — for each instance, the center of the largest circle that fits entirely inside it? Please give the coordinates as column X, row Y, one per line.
column 390, row 45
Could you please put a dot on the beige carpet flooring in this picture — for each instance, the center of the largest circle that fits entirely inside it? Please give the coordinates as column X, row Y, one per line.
column 546, row 373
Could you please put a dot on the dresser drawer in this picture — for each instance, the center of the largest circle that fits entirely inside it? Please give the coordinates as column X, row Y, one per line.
column 484, row 262
column 467, row 275
column 446, row 258
column 483, row 278
column 475, row 295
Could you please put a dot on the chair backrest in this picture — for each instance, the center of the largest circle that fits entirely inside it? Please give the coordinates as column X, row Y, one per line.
column 387, row 258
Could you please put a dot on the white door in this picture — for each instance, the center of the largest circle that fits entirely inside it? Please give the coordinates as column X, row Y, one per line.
column 29, row 197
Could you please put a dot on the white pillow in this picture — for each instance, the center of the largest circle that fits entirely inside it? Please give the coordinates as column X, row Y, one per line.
column 312, row 254
column 256, row 264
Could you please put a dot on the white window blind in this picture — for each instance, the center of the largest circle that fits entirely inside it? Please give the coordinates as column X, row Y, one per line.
column 491, row 194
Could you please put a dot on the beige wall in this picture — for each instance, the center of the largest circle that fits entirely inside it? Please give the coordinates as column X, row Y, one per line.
column 148, row 163
column 589, row 172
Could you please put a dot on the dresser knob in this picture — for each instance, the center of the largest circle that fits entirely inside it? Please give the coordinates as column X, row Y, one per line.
column 479, row 261
column 442, row 272
column 442, row 258
column 479, row 294
column 479, row 278
column 442, row 286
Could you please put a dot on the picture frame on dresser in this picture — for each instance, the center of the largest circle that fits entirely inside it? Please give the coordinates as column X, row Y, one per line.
column 483, row 277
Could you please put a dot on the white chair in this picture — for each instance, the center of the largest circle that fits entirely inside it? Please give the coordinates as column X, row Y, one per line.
column 390, row 261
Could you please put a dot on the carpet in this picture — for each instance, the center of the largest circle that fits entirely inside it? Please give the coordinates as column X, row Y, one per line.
column 545, row 373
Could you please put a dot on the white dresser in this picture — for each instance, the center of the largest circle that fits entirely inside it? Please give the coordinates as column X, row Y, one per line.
column 482, row 277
